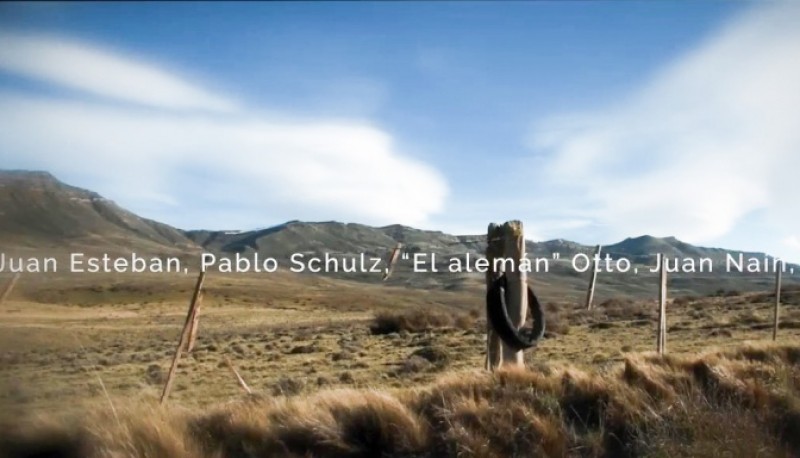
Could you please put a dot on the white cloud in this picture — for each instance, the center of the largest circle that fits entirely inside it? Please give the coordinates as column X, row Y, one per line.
column 793, row 242
column 87, row 68
column 711, row 139
column 212, row 169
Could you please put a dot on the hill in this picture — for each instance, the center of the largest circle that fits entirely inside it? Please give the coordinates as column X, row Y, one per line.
column 40, row 212
column 562, row 278
column 641, row 249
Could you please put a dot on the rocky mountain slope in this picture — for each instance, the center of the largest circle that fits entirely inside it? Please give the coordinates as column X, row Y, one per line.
column 41, row 213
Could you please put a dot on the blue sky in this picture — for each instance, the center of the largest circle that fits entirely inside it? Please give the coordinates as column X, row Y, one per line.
column 590, row 121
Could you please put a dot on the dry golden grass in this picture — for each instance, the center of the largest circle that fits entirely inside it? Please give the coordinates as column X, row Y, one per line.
column 309, row 329
column 300, row 334
column 741, row 402
column 327, row 385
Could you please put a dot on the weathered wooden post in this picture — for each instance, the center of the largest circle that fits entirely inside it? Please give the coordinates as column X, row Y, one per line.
column 778, row 274
column 9, row 287
column 494, row 249
column 195, row 324
column 593, row 279
column 183, row 340
column 239, row 378
column 661, row 344
column 507, row 242
column 391, row 261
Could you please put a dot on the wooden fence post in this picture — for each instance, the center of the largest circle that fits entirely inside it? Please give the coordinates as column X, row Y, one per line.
column 494, row 249
column 239, row 378
column 182, row 341
column 195, row 323
column 507, row 241
column 9, row 287
column 778, row 275
column 391, row 261
column 593, row 279
column 662, row 308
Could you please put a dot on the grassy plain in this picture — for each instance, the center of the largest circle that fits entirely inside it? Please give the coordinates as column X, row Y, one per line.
column 66, row 342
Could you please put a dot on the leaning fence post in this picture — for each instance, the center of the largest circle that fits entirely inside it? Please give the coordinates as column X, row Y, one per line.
column 195, row 324
column 391, row 261
column 662, row 308
column 775, row 323
column 182, row 341
column 507, row 241
column 9, row 287
column 239, row 378
column 593, row 279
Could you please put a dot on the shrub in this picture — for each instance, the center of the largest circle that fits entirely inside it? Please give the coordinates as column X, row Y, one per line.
column 341, row 355
column 684, row 300
column 622, row 308
column 155, row 375
column 556, row 325
column 417, row 320
column 464, row 322
column 303, row 349
column 346, row 377
column 287, row 386
column 413, row 365
column 748, row 317
column 433, row 354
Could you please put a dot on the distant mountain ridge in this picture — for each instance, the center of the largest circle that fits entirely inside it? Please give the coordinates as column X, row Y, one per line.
column 333, row 237
column 38, row 211
column 643, row 248
column 351, row 238
column 36, row 207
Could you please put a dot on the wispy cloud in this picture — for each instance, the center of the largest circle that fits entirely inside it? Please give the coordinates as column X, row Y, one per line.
column 206, row 166
column 712, row 138
column 91, row 69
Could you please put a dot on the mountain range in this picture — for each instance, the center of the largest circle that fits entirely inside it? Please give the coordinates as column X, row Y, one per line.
column 38, row 212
